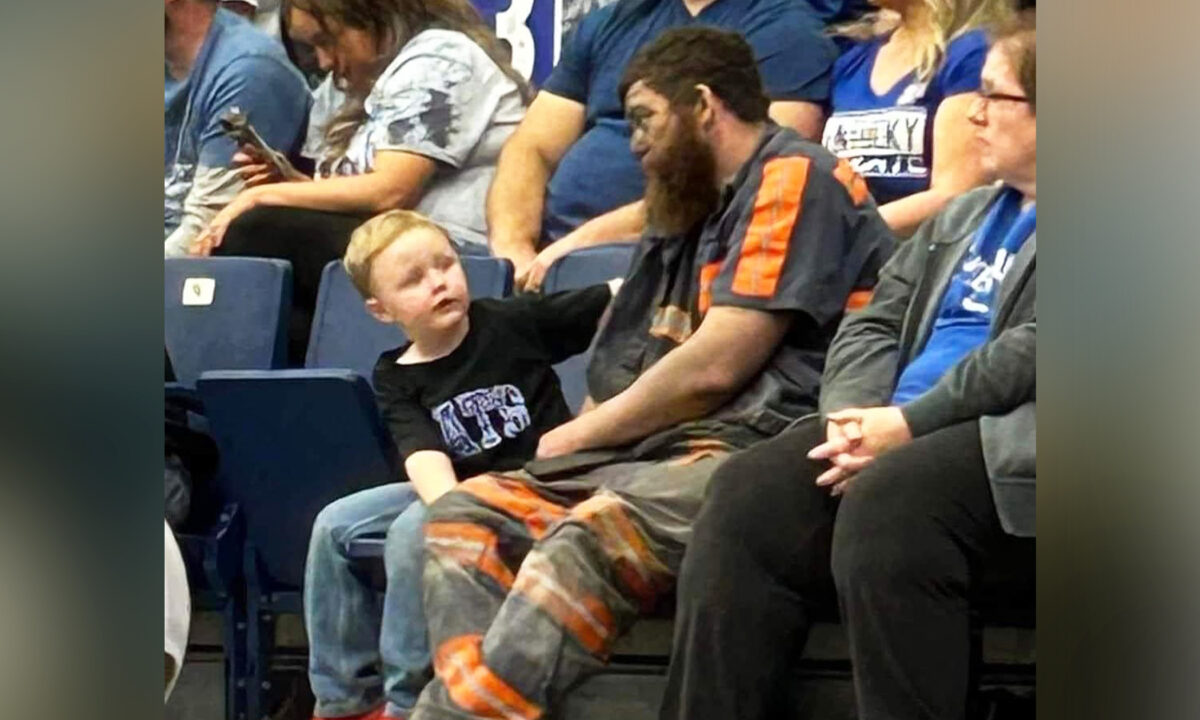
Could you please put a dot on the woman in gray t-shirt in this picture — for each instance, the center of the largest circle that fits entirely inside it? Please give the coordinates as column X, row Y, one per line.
column 430, row 100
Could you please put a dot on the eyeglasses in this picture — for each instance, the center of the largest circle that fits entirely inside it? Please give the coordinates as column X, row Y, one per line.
column 989, row 97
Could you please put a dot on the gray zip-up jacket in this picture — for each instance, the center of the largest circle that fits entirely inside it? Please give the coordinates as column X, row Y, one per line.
column 995, row 383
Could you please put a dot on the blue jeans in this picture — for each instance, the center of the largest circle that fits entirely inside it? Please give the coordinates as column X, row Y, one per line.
column 360, row 653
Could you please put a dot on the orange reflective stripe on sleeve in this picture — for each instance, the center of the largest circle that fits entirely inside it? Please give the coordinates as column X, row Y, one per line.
column 852, row 181
column 776, row 212
column 708, row 274
column 474, row 687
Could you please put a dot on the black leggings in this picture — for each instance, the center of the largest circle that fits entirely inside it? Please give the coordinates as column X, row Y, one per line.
column 908, row 543
column 307, row 238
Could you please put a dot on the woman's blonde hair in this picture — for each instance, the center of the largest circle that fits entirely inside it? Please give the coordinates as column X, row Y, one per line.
column 944, row 20
column 393, row 23
column 376, row 235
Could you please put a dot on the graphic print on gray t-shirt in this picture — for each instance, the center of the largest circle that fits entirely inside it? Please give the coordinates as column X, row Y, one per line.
column 442, row 98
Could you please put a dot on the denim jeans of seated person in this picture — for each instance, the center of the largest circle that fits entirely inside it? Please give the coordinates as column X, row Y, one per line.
column 364, row 649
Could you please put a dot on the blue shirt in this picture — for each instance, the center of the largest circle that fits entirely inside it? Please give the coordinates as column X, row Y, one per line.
column 238, row 65
column 830, row 11
column 598, row 173
column 965, row 315
column 888, row 138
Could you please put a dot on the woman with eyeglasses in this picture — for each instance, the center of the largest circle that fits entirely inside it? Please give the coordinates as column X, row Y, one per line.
column 901, row 91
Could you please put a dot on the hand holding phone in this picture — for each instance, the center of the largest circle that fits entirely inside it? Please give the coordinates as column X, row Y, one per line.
column 255, row 150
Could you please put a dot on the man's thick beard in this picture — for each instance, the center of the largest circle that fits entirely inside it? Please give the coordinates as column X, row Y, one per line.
column 684, row 192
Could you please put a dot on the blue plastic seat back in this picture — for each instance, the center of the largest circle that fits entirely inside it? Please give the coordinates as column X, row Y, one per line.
column 225, row 314
column 291, row 442
column 344, row 335
column 580, row 269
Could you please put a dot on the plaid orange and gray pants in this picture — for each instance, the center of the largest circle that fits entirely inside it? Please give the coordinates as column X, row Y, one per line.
column 529, row 579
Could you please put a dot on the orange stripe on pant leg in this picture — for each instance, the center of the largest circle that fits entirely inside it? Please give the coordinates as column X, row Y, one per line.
column 474, row 687
column 517, row 500
column 639, row 570
column 470, row 546
column 586, row 617
column 776, row 212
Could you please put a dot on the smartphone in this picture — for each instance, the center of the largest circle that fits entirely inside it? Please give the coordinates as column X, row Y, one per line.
column 236, row 125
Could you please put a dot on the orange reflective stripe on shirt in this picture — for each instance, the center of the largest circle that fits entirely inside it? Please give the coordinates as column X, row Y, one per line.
column 852, row 181
column 776, row 212
column 708, row 274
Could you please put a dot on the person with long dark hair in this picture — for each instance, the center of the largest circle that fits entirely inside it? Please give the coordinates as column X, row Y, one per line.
column 430, row 100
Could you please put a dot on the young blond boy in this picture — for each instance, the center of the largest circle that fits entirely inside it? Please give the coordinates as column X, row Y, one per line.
column 472, row 391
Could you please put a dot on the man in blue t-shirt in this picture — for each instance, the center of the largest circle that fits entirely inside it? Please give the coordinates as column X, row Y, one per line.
column 214, row 61
column 567, row 175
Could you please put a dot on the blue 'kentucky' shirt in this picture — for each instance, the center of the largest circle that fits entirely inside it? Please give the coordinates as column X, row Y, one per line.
column 888, row 138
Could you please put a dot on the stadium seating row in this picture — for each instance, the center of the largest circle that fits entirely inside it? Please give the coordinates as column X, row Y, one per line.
column 293, row 440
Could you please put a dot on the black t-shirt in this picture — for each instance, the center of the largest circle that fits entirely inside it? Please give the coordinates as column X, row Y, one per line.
column 488, row 402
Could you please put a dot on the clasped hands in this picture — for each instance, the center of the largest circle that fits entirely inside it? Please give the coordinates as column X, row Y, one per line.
column 854, row 437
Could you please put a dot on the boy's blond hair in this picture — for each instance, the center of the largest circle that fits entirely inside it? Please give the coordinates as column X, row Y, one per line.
column 374, row 236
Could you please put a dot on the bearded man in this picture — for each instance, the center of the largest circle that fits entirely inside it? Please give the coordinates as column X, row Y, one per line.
column 757, row 240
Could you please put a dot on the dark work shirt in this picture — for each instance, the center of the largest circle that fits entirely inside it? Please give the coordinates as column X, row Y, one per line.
column 488, row 402
column 796, row 233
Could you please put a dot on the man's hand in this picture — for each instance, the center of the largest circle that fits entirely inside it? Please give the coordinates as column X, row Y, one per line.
column 213, row 235
column 520, row 256
column 854, row 438
column 530, row 278
column 562, row 440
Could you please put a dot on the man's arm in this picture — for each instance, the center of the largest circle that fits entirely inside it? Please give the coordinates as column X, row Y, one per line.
column 806, row 118
column 514, row 203
column 212, row 189
column 729, row 348
column 623, row 225
column 431, row 473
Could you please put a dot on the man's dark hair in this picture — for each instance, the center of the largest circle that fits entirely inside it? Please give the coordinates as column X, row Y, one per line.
column 682, row 58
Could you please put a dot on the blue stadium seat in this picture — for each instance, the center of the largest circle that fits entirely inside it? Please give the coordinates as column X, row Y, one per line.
column 225, row 314
column 580, row 269
column 292, row 441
